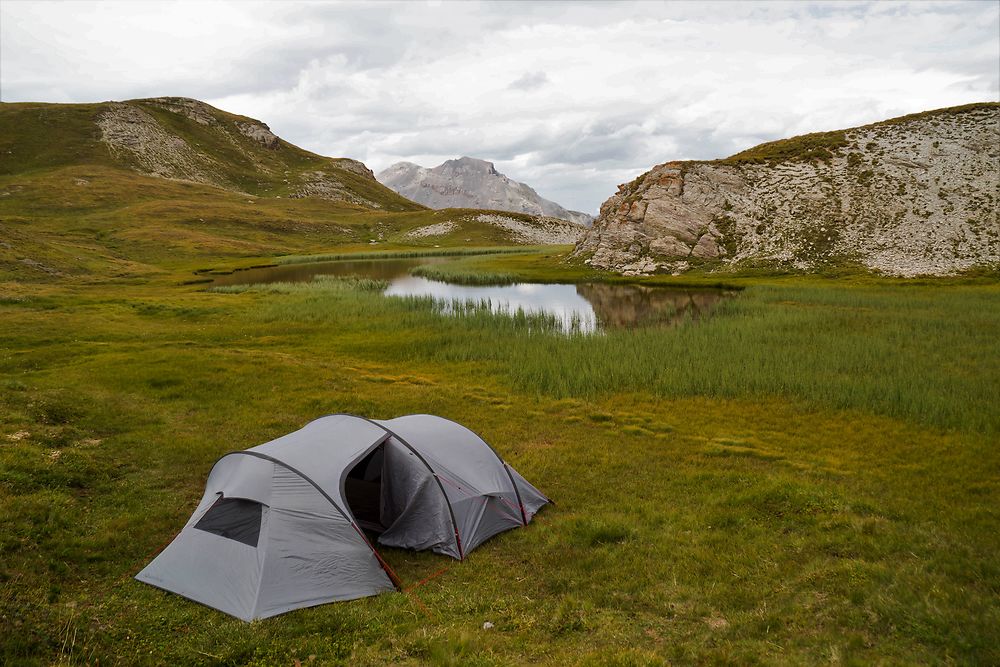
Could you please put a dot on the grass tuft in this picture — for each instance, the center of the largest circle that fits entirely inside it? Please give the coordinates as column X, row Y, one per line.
column 587, row 533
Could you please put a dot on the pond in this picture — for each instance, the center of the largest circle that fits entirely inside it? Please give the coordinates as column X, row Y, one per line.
column 586, row 307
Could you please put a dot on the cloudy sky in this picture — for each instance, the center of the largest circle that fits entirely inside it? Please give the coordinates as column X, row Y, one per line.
column 572, row 98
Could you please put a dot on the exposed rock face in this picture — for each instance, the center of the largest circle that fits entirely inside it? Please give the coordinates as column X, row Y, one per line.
column 132, row 133
column 533, row 231
column 540, row 231
column 471, row 183
column 202, row 114
column 912, row 196
column 438, row 229
column 196, row 110
column 324, row 185
column 355, row 167
column 260, row 133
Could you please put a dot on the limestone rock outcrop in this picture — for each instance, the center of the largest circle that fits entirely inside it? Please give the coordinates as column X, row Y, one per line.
column 917, row 195
column 133, row 134
column 260, row 133
column 232, row 152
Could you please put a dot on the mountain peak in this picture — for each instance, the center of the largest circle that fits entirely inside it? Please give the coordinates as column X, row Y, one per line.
column 469, row 182
column 472, row 164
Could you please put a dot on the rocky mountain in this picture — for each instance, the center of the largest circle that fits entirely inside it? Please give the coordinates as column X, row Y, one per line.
column 471, row 183
column 909, row 196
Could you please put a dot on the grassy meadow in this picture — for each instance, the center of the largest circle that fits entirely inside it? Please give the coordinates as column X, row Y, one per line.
column 810, row 476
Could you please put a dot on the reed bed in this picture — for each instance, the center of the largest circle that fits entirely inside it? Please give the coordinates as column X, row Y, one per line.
column 460, row 276
column 924, row 355
column 320, row 283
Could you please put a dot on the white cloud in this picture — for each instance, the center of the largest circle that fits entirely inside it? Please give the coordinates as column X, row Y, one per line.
column 570, row 98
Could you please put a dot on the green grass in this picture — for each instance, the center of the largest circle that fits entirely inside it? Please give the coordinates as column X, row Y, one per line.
column 402, row 254
column 862, row 348
column 133, row 227
column 808, row 476
column 815, row 146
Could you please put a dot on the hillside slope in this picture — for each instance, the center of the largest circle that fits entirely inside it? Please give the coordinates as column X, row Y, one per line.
column 910, row 196
column 471, row 183
column 182, row 139
column 128, row 190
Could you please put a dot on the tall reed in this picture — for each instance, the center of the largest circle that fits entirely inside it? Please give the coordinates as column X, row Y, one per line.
column 928, row 355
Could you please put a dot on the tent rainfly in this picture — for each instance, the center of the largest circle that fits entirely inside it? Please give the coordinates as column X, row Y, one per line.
column 282, row 525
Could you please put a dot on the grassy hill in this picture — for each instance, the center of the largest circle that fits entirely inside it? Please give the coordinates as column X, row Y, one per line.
column 126, row 189
column 237, row 153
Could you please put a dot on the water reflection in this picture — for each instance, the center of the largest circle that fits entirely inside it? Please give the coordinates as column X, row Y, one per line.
column 585, row 307
column 623, row 306
column 561, row 302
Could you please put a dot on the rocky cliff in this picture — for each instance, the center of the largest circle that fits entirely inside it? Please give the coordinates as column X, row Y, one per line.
column 471, row 183
column 909, row 196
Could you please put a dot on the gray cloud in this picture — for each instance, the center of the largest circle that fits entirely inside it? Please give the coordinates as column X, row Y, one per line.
column 571, row 98
column 529, row 81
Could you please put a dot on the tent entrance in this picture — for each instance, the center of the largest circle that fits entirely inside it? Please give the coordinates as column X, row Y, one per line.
column 363, row 491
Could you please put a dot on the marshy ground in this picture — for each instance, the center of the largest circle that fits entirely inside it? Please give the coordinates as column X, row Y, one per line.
column 811, row 475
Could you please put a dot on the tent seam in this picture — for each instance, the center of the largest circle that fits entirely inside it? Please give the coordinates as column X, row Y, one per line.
column 260, row 580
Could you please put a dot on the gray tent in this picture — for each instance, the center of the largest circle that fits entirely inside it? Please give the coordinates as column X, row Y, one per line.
column 282, row 525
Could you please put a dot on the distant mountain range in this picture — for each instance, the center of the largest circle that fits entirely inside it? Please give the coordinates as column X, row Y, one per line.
column 471, row 183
